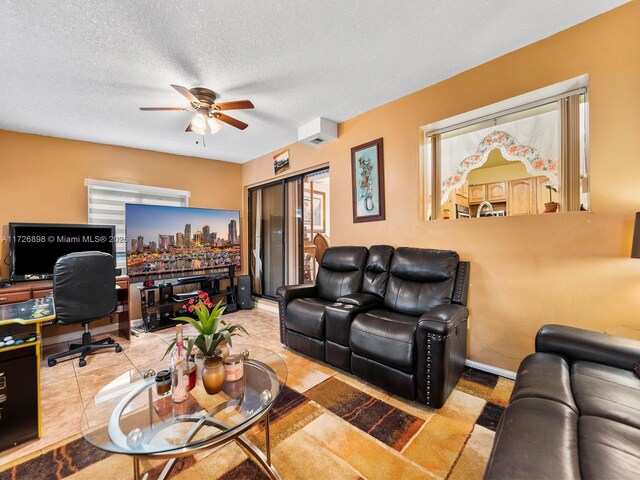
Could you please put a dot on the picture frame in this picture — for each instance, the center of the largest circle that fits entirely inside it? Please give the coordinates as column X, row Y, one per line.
column 367, row 175
column 281, row 162
column 319, row 207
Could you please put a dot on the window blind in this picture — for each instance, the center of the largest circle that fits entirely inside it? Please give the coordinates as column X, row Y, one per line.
column 107, row 200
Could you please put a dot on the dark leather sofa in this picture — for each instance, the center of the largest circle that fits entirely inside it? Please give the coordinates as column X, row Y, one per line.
column 394, row 317
column 574, row 412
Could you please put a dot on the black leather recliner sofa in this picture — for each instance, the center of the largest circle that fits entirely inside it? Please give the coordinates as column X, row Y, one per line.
column 395, row 317
column 574, row 410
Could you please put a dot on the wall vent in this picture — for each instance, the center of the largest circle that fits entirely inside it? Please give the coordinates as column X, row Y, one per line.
column 318, row 132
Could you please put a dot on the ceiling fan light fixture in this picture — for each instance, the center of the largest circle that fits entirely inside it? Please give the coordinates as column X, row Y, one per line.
column 199, row 124
column 214, row 124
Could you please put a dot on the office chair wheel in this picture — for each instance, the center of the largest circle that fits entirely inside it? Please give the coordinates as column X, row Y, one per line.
column 83, row 362
column 111, row 341
column 51, row 362
column 118, row 349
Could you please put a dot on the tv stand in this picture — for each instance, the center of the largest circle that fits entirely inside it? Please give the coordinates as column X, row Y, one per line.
column 160, row 304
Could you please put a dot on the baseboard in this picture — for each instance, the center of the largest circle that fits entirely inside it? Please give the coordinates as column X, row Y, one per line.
column 77, row 335
column 491, row 369
column 265, row 304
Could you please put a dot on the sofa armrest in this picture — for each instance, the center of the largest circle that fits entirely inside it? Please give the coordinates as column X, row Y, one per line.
column 359, row 299
column 578, row 344
column 443, row 318
column 441, row 340
column 285, row 294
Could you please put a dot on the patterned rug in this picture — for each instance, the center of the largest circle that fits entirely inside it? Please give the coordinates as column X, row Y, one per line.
column 336, row 429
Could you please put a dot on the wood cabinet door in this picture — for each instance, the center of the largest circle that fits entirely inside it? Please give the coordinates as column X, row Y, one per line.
column 477, row 193
column 522, row 197
column 497, row 192
column 542, row 193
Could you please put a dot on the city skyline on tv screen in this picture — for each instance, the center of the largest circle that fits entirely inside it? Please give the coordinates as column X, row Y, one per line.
column 164, row 241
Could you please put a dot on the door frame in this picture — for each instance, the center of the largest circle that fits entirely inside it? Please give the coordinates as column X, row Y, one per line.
column 285, row 195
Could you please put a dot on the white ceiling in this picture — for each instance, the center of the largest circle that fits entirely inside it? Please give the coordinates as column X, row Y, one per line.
column 80, row 69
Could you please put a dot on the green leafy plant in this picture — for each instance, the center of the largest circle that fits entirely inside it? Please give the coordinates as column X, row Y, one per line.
column 551, row 188
column 212, row 329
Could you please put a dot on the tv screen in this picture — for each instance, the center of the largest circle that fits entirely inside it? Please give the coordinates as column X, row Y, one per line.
column 165, row 242
column 35, row 247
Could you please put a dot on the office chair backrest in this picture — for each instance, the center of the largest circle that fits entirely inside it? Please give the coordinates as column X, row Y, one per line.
column 84, row 287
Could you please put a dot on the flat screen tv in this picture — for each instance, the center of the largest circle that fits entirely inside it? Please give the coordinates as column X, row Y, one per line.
column 35, row 247
column 166, row 242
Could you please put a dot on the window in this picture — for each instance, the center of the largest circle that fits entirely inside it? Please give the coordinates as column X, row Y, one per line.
column 107, row 201
column 525, row 159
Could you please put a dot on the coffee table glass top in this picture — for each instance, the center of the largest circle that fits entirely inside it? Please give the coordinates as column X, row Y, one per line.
column 127, row 416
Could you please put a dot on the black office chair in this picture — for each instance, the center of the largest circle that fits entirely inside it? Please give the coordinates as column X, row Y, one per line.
column 84, row 290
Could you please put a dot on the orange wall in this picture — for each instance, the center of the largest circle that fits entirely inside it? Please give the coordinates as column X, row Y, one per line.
column 42, row 180
column 570, row 268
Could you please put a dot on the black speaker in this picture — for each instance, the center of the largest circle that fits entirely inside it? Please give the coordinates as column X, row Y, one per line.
column 165, row 292
column 151, row 298
column 244, row 292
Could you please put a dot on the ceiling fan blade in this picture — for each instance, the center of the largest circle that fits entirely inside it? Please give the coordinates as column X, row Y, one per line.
column 237, row 105
column 162, row 109
column 184, row 91
column 231, row 121
column 188, row 129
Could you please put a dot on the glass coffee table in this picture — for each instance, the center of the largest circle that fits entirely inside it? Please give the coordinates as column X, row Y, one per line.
column 127, row 416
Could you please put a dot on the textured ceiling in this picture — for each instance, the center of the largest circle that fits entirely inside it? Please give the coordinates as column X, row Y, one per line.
column 80, row 69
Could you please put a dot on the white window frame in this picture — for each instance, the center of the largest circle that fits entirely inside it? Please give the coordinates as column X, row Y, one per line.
column 106, row 206
column 429, row 170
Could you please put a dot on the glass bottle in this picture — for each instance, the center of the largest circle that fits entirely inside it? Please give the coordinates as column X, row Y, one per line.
column 179, row 369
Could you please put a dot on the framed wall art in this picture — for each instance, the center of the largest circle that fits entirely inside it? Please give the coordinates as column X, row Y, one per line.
column 367, row 173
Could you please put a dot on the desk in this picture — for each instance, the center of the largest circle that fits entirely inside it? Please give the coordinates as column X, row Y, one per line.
column 20, row 416
column 22, row 291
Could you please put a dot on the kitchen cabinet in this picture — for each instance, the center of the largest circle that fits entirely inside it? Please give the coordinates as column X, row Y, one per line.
column 522, row 197
column 542, row 193
column 477, row 194
column 497, row 192
column 463, row 191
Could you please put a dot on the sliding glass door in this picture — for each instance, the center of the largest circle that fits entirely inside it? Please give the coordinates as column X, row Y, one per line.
column 279, row 238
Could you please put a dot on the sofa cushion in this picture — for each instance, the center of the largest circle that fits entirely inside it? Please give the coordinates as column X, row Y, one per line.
column 536, row 438
column 376, row 271
column 306, row 316
column 384, row 336
column 606, row 392
column 544, row 375
column 420, row 279
column 608, row 449
column 340, row 272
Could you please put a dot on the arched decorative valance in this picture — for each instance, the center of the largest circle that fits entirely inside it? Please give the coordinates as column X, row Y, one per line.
column 511, row 150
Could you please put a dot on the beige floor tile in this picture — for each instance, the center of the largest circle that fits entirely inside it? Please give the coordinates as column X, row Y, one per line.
column 474, row 457
column 437, row 445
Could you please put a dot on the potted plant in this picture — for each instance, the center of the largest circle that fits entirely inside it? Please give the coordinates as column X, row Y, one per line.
column 213, row 331
column 551, row 206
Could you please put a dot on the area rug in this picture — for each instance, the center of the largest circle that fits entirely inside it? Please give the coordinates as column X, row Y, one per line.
column 339, row 428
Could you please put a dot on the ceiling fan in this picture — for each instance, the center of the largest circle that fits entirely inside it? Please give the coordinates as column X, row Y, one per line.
column 209, row 113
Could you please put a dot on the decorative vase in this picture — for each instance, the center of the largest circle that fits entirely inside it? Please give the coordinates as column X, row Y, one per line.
column 368, row 204
column 550, row 207
column 213, row 375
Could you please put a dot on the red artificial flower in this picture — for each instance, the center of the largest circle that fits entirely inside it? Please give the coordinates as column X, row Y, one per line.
column 208, row 304
column 191, row 301
column 191, row 309
column 202, row 295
